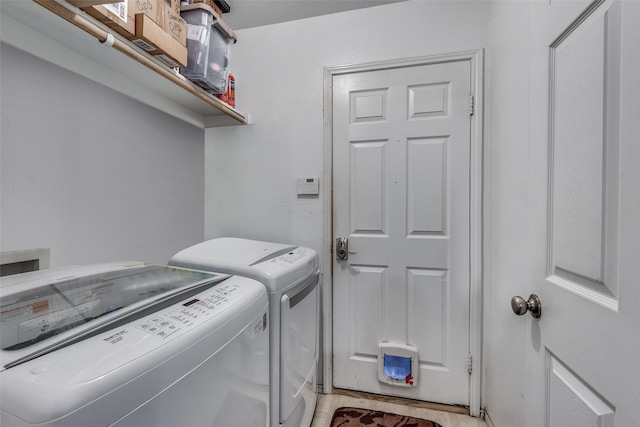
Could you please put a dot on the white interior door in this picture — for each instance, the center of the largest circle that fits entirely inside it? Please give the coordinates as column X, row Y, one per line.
column 583, row 356
column 401, row 183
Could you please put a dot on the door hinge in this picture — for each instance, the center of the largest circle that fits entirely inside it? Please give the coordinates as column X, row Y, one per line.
column 471, row 105
column 470, row 364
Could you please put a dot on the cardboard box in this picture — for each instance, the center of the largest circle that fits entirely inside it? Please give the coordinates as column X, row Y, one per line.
column 174, row 24
column 175, row 6
column 86, row 3
column 154, row 9
column 154, row 39
column 162, row 12
column 121, row 18
column 116, row 16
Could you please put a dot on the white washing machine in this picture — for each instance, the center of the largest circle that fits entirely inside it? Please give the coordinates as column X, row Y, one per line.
column 131, row 345
column 290, row 274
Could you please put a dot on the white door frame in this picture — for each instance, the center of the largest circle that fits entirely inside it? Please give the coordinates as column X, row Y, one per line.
column 476, row 59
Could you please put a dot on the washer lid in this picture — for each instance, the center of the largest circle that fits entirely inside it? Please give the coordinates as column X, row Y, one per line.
column 232, row 250
column 278, row 266
column 44, row 310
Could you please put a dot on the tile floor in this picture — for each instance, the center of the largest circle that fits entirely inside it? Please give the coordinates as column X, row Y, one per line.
column 328, row 403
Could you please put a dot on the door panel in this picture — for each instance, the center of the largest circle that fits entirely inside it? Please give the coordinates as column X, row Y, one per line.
column 426, row 207
column 572, row 402
column 368, row 169
column 583, row 353
column 428, row 328
column 401, row 147
column 577, row 66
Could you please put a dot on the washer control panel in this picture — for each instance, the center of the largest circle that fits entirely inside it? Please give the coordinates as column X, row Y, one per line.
column 190, row 313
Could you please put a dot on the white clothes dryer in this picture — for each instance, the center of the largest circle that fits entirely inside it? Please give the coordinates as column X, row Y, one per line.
column 290, row 274
column 130, row 345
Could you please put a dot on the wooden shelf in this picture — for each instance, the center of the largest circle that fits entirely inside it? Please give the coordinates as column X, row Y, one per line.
column 73, row 41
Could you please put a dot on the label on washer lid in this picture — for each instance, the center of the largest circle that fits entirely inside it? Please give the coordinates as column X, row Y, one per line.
column 293, row 256
column 116, row 338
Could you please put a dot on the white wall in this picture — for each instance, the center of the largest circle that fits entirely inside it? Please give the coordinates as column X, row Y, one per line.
column 92, row 174
column 506, row 254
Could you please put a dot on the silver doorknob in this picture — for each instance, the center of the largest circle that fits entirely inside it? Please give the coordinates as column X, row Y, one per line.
column 520, row 306
column 342, row 249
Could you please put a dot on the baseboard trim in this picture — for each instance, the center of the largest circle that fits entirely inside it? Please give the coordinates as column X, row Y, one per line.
column 456, row 409
column 487, row 419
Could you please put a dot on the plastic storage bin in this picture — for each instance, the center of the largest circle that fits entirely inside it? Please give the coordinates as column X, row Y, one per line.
column 208, row 40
